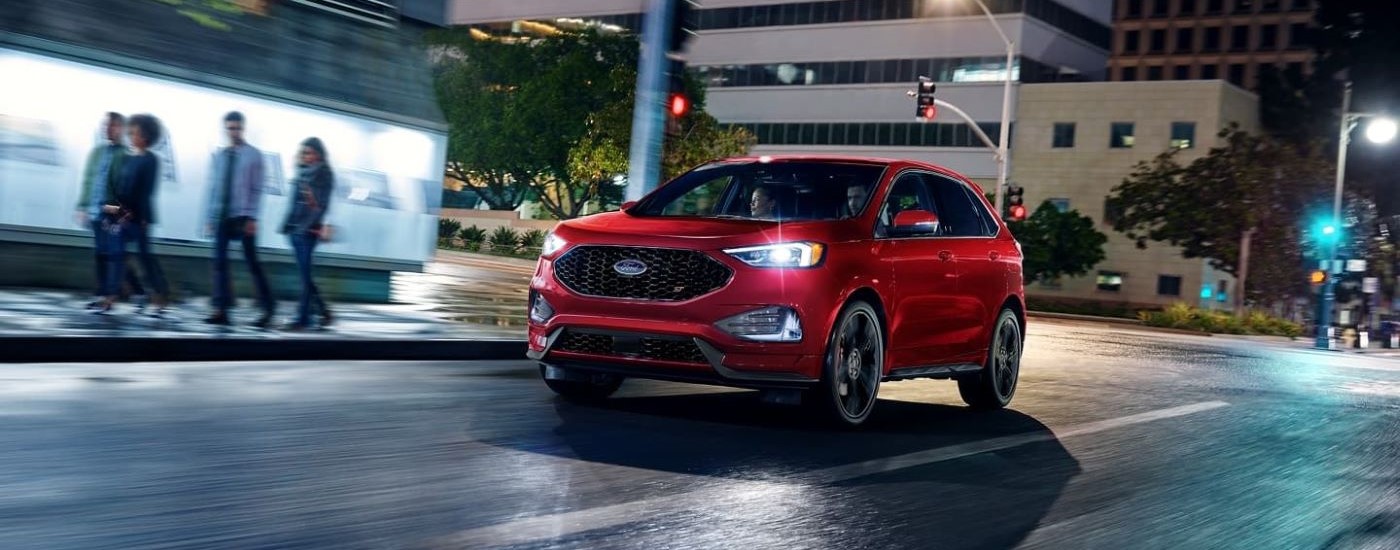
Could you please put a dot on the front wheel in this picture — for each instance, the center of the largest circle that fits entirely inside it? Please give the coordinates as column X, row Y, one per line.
column 590, row 388
column 854, row 364
column 994, row 386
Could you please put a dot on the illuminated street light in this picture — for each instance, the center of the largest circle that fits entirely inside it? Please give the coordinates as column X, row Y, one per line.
column 1381, row 130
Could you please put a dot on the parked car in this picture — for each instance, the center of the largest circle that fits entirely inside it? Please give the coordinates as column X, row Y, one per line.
column 814, row 278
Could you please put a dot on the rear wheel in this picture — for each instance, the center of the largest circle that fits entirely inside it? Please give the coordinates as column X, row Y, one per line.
column 588, row 387
column 996, row 384
column 853, row 367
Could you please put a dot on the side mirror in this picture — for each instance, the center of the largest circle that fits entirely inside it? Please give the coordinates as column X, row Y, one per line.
column 914, row 223
column 628, row 205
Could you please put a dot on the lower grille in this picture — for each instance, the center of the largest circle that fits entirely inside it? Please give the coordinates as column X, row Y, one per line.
column 658, row 349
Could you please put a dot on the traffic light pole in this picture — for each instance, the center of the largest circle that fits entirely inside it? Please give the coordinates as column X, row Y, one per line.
column 649, row 111
column 1329, row 288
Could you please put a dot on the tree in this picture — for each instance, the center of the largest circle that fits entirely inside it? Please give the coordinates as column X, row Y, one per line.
column 1058, row 244
column 1251, row 189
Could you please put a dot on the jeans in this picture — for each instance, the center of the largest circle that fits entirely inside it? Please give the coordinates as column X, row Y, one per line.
column 116, row 259
column 104, row 243
column 304, row 244
column 225, row 232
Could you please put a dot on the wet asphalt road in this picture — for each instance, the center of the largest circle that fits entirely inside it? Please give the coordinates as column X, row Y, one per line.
column 1117, row 439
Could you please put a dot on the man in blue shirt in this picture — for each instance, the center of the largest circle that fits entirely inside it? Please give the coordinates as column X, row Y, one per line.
column 100, row 177
column 235, row 197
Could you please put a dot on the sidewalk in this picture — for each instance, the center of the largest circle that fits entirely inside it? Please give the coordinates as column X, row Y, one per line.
column 462, row 307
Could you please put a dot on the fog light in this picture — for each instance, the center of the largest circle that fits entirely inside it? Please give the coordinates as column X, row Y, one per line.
column 540, row 310
column 769, row 324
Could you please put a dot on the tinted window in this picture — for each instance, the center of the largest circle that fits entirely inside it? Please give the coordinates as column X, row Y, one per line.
column 957, row 215
column 907, row 193
column 772, row 191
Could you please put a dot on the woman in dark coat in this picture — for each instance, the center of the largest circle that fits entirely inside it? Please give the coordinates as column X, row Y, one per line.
column 305, row 225
column 134, row 211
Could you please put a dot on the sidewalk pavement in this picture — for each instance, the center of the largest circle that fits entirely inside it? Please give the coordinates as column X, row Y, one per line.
column 462, row 307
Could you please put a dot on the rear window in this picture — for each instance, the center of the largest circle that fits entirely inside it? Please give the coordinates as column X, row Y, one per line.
column 799, row 190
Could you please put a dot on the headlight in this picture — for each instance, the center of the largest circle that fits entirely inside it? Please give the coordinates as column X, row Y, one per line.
column 552, row 243
column 780, row 255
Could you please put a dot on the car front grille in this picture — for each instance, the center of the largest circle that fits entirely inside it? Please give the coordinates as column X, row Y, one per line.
column 658, row 349
column 670, row 275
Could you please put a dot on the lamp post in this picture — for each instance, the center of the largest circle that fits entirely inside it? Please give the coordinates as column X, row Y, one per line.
column 1002, row 158
column 1381, row 130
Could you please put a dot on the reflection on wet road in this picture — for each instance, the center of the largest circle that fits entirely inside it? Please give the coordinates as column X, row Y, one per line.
column 1117, row 439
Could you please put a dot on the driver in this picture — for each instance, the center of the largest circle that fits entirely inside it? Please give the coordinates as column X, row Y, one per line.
column 856, row 196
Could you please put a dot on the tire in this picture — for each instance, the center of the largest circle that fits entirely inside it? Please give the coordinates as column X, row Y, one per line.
column 854, row 364
column 995, row 385
column 598, row 387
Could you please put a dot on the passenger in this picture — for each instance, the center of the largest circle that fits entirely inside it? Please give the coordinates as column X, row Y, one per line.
column 762, row 204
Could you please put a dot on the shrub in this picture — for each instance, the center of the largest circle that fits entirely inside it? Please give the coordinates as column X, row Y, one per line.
column 447, row 227
column 532, row 239
column 1183, row 316
column 474, row 236
column 504, row 240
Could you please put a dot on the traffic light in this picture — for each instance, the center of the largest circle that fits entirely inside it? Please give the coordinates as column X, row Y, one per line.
column 1317, row 277
column 925, row 107
column 1015, row 204
column 678, row 103
column 682, row 26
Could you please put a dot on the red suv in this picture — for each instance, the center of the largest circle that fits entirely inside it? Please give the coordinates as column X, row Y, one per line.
column 816, row 278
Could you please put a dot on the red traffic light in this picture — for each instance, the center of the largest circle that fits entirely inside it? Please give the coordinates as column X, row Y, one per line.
column 680, row 105
column 1018, row 213
column 930, row 112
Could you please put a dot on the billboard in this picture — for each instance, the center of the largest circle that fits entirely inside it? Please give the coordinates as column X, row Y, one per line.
column 388, row 175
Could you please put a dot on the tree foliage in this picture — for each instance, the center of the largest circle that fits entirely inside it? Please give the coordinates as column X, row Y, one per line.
column 1251, row 185
column 553, row 116
column 1058, row 244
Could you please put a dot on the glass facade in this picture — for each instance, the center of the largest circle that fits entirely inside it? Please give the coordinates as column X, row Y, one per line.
column 887, row 134
column 875, row 71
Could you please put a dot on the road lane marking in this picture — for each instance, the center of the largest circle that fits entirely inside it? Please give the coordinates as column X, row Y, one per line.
column 729, row 493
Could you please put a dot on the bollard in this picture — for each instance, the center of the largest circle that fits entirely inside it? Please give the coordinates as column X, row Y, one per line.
column 1365, row 342
column 1394, row 340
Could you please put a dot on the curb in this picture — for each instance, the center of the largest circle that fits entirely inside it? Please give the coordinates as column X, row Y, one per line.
column 79, row 349
column 1122, row 323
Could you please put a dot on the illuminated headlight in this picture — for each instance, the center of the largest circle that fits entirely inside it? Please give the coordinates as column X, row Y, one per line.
column 540, row 310
column 552, row 243
column 780, row 255
column 770, row 324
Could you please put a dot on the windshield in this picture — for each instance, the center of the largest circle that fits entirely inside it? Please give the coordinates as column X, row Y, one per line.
column 768, row 191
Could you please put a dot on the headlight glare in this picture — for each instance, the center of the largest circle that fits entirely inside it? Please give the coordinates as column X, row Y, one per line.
column 552, row 243
column 799, row 254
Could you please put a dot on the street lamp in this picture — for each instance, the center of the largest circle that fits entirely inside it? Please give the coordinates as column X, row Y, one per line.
column 1381, row 130
column 1005, row 105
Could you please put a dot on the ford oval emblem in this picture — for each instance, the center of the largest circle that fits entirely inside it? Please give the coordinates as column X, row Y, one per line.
column 630, row 267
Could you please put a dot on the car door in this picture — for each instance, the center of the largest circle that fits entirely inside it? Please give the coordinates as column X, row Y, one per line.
column 970, row 235
column 925, row 273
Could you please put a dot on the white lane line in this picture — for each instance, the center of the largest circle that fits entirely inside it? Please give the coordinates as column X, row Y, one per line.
column 729, row 493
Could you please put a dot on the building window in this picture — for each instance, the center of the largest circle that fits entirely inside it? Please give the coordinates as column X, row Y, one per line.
column 1159, row 8
column 1135, row 8
column 1302, row 5
column 1129, row 74
column 1061, row 204
column 1121, row 135
column 1212, row 40
column 1159, row 41
column 1154, row 72
column 1130, row 42
column 1168, row 285
column 1183, row 135
column 1187, row 7
column 1268, row 37
column 1237, row 74
column 1111, row 211
column 1181, row 72
column 1210, row 72
column 1239, row 38
column 1064, row 135
column 883, row 134
column 1215, row 7
column 1185, row 39
column 1298, row 36
column 1244, row 6
column 1270, row 6
column 1111, row 281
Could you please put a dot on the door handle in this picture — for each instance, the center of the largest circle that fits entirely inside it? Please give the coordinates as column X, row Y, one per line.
column 993, row 255
column 945, row 255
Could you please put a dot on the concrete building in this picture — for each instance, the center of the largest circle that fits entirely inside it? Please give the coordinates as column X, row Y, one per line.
column 1209, row 39
column 831, row 76
column 1075, row 142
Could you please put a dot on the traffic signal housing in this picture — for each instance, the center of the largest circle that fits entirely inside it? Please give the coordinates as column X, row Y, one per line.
column 1015, row 204
column 926, row 107
column 682, row 26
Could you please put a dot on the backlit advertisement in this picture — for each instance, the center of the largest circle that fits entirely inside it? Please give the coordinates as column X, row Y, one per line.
column 388, row 176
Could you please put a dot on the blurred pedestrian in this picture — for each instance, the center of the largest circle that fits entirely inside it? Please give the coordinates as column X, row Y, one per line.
column 305, row 225
column 134, row 210
column 100, row 176
column 235, row 197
